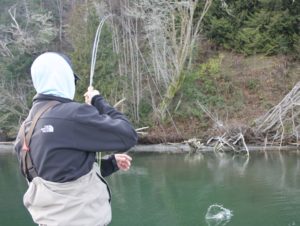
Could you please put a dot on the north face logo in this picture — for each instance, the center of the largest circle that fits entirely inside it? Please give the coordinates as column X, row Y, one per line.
column 47, row 129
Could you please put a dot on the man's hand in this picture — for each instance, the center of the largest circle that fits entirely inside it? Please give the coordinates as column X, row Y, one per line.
column 123, row 161
column 91, row 92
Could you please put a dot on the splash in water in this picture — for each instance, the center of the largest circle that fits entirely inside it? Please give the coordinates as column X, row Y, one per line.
column 217, row 215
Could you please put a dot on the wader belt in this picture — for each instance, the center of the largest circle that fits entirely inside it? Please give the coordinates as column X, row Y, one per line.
column 28, row 168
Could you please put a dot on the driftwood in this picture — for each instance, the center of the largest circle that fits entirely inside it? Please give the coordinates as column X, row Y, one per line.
column 281, row 123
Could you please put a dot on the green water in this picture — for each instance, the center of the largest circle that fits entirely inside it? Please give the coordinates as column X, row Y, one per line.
column 168, row 189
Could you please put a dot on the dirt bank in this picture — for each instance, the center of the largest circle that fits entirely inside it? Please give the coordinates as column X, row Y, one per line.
column 253, row 86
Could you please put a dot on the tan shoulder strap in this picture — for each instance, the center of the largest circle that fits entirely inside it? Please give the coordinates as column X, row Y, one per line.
column 36, row 118
column 27, row 165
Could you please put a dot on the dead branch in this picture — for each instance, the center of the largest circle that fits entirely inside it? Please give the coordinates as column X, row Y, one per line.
column 281, row 122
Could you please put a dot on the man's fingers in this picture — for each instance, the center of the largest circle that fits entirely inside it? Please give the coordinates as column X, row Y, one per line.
column 91, row 92
column 123, row 156
column 123, row 161
column 128, row 157
column 125, row 167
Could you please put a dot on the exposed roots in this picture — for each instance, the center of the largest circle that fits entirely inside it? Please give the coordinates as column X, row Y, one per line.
column 226, row 138
column 234, row 143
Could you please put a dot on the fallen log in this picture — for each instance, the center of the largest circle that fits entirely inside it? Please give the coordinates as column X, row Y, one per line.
column 7, row 147
column 186, row 148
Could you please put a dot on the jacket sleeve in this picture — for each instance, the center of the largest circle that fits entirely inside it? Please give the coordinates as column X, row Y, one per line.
column 102, row 128
column 108, row 165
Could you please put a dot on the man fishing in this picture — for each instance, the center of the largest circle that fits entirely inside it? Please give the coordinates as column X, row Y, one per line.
column 57, row 145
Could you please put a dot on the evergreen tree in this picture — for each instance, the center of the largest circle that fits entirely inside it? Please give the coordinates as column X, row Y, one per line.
column 259, row 26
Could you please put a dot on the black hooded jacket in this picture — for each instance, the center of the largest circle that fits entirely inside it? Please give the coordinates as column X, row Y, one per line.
column 66, row 137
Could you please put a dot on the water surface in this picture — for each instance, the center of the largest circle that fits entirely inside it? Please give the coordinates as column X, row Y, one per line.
column 177, row 189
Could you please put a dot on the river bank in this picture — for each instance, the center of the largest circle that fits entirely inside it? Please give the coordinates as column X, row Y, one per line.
column 240, row 91
column 177, row 148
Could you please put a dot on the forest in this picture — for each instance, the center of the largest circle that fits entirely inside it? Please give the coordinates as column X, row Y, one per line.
column 183, row 68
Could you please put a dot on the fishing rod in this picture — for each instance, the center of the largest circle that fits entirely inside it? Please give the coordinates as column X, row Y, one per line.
column 95, row 48
column 92, row 71
column 93, row 63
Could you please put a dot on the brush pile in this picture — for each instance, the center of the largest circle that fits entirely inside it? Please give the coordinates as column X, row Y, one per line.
column 279, row 126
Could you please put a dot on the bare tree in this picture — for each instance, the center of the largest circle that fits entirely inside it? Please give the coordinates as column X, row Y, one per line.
column 29, row 32
column 60, row 15
column 38, row 30
column 154, row 40
column 14, row 105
